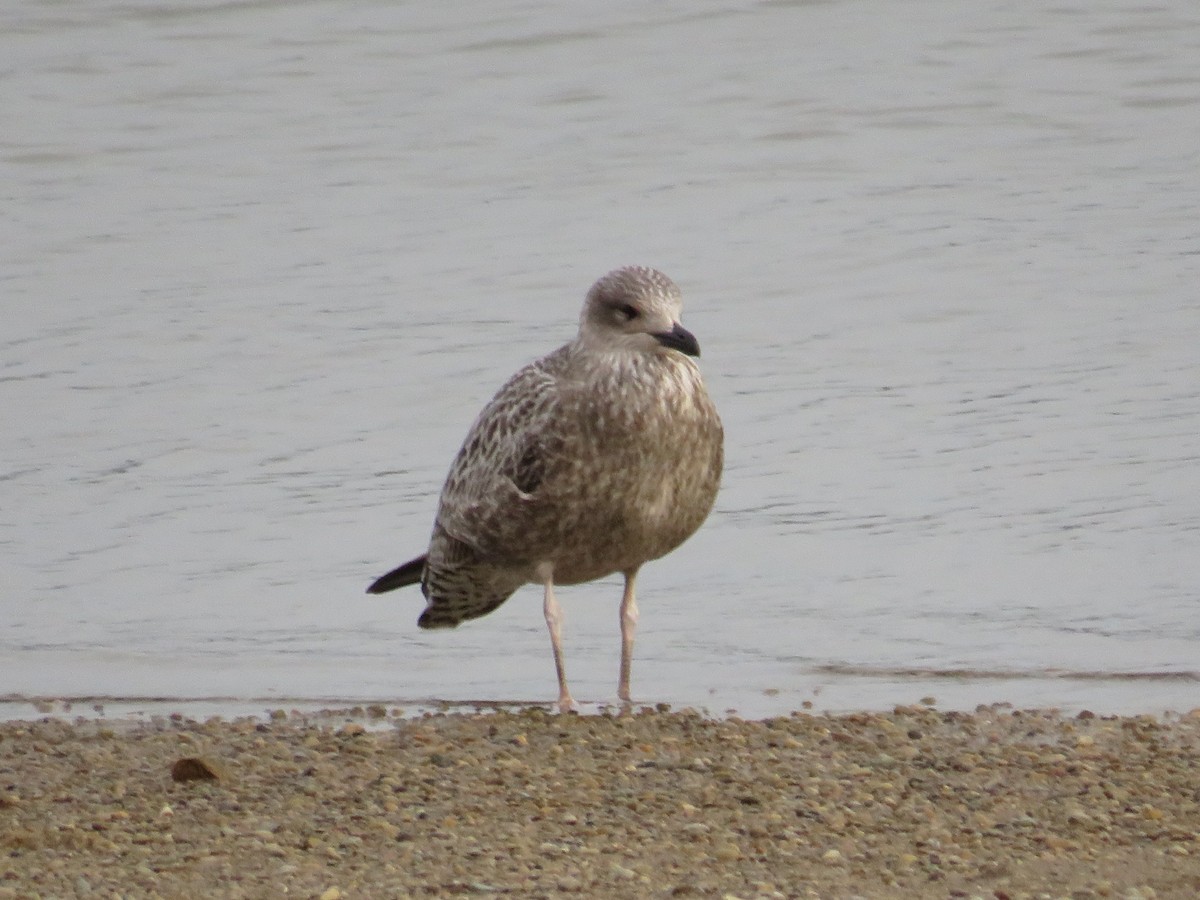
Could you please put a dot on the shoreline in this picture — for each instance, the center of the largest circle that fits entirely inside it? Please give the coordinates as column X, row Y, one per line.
column 1067, row 693
column 915, row 802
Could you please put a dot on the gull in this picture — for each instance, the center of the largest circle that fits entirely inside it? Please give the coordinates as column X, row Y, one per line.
column 595, row 459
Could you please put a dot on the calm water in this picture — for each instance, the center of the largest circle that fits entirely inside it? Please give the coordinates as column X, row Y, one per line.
column 262, row 262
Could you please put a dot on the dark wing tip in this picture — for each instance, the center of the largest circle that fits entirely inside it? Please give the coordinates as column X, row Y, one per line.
column 409, row 573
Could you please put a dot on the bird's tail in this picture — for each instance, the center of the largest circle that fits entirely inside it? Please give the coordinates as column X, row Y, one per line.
column 409, row 573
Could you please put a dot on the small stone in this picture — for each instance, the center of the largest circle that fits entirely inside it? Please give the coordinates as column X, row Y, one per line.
column 832, row 857
column 727, row 852
column 195, row 768
column 332, row 893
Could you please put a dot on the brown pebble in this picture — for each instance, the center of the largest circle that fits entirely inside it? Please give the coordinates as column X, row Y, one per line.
column 195, row 768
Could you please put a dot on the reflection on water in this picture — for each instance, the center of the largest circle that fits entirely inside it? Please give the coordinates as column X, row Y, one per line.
column 263, row 262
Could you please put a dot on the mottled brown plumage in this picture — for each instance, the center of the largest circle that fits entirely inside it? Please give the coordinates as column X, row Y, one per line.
column 595, row 459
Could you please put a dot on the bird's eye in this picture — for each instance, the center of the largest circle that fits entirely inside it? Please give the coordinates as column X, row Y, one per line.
column 627, row 312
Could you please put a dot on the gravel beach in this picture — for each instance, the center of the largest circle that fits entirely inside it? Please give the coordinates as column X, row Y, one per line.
column 916, row 802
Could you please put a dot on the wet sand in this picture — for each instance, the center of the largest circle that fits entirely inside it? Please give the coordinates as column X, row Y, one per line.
column 912, row 803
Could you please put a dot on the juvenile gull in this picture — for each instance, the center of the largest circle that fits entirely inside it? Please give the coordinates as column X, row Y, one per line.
column 595, row 459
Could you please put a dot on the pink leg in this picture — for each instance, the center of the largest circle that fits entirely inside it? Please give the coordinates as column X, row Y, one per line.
column 554, row 622
column 629, row 618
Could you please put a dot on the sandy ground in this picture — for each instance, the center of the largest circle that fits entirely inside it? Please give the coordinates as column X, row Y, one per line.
column 913, row 803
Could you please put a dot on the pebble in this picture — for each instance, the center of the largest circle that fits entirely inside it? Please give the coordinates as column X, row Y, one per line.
column 195, row 768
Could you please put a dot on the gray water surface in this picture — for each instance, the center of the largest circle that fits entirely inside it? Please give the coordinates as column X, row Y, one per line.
column 262, row 262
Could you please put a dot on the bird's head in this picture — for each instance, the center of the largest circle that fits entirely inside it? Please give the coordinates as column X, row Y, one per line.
column 635, row 308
